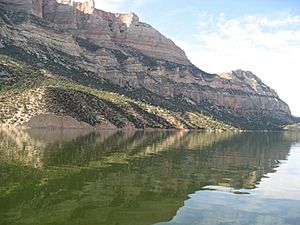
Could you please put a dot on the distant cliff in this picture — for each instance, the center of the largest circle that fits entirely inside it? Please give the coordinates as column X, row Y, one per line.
column 102, row 28
column 73, row 50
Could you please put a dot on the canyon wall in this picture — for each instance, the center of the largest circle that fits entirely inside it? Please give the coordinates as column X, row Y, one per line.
column 111, row 29
column 28, row 6
column 131, row 54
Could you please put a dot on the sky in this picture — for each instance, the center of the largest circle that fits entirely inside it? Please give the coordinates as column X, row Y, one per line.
column 262, row 36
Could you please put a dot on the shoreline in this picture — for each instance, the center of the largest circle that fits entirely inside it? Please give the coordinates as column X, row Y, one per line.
column 126, row 128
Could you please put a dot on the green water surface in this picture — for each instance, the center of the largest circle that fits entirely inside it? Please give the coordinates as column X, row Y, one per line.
column 77, row 177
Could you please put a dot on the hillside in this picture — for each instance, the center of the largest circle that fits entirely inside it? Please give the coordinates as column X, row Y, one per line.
column 66, row 64
column 27, row 92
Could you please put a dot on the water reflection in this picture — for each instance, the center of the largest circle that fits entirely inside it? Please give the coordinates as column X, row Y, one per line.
column 276, row 201
column 76, row 177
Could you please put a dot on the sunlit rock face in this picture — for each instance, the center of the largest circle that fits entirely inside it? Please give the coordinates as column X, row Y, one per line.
column 261, row 96
column 108, row 29
column 61, row 12
column 118, row 48
column 86, row 7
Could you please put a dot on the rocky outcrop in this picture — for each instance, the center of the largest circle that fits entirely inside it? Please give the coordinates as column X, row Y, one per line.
column 60, row 12
column 260, row 96
column 86, row 7
column 90, row 46
column 29, row 6
column 102, row 28
column 56, row 122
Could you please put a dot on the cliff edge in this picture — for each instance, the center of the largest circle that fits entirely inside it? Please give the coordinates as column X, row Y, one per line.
column 72, row 49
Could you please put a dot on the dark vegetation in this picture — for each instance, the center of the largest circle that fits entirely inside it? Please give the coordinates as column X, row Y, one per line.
column 70, row 90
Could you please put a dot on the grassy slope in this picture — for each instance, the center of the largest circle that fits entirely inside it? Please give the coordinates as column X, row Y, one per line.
column 26, row 91
column 292, row 127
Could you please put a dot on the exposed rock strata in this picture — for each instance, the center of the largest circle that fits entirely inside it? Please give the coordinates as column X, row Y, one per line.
column 102, row 28
column 29, row 6
column 89, row 45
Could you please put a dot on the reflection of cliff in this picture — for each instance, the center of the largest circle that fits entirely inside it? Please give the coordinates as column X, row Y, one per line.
column 66, row 146
column 129, row 178
column 14, row 146
column 27, row 147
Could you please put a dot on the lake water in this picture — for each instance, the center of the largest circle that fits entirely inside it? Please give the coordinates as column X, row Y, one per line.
column 144, row 178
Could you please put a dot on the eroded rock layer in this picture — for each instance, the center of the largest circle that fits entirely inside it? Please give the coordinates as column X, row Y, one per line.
column 29, row 6
column 90, row 46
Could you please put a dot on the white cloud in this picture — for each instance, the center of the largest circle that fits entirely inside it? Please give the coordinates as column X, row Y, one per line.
column 139, row 3
column 270, row 47
column 289, row 20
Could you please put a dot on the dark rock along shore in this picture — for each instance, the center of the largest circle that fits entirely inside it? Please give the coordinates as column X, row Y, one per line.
column 111, row 70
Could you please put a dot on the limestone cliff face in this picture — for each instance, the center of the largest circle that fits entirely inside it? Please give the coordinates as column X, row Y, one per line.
column 60, row 12
column 120, row 49
column 110, row 29
column 29, row 6
column 260, row 96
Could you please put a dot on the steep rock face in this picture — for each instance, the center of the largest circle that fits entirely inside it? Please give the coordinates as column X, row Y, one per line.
column 261, row 96
column 118, row 48
column 60, row 12
column 86, row 7
column 108, row 29
column 29, row 6
column 142, row 36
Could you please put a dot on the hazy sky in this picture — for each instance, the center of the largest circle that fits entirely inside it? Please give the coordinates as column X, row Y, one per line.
column 262, row 36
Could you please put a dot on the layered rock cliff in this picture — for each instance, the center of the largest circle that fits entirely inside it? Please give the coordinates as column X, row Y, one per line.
column 100, row 27
column 33, row 7
column 99, row 49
